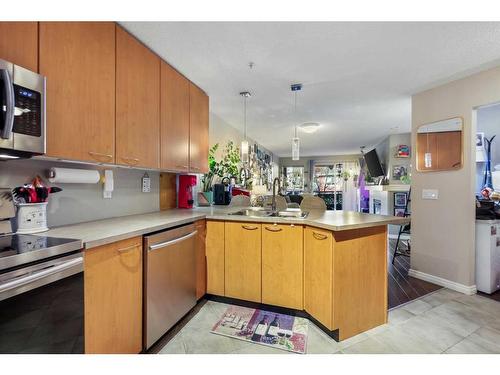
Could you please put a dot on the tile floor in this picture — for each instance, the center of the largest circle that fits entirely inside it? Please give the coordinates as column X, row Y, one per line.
column 442, row 322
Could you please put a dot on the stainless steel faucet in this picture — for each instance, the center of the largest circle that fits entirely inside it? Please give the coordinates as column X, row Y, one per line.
column 273, row 203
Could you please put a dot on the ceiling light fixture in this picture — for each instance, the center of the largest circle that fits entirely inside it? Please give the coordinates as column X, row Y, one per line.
column 309, row 127
column 295, row 140
column 244, row 143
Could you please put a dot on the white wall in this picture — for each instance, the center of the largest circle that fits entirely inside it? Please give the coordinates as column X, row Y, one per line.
column 443, row 230
column 84, row 202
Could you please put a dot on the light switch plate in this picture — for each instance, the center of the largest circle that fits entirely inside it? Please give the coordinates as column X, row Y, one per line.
column 430, row 194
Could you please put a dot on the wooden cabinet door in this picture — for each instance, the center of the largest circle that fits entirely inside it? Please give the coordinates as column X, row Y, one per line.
column 243, row 261
column 318, row 275
column 78, row 59
column 282, row 265
column 174, row 115
column 137, row 103
column 198, row 130
column 201, row 263
column 215, row 257
column 113, row 297
column 19, row 44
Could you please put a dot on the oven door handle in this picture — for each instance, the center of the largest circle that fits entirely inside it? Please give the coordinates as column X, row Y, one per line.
column 24, row 280
column 8, row 87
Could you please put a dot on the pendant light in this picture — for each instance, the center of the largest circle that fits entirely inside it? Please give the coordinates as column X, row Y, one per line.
column 244, row 143
column 295, row 140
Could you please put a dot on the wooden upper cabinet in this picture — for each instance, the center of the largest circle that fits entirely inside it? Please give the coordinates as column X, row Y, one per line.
column 19, row 43
column 78, row 59
column 137, row 103
column 174, row 115
column 198, row 130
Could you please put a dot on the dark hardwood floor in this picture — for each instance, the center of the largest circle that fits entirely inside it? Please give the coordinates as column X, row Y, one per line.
column 404, row 288
column 495, row 296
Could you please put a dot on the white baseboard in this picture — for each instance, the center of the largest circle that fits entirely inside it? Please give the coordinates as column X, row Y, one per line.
column 469, row 290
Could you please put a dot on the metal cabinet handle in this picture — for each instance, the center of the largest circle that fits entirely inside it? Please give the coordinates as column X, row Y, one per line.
column 247, row 227
column 273, row 229
column 319, row 236
column 128, row 248
column 171, row 242
column 130, row 160
column 9, row 104
column 98, row 154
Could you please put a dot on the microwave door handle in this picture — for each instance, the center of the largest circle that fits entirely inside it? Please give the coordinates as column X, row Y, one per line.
column 8, row 87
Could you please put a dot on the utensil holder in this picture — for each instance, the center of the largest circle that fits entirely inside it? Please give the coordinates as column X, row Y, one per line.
column 31, row 218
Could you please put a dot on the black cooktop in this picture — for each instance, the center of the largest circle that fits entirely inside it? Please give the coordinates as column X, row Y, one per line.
column 18, row 249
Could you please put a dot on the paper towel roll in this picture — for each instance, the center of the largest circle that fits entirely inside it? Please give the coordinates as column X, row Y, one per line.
column 73, row 176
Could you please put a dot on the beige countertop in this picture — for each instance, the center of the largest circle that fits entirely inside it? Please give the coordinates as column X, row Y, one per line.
column 101, row 232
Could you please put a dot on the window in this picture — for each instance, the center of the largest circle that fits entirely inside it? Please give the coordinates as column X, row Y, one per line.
column 328, row 178
column 294, row 178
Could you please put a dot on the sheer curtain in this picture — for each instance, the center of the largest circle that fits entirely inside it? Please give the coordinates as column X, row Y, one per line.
column 350, row 195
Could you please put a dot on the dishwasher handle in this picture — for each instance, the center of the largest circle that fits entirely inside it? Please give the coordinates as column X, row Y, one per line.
column 171, row 242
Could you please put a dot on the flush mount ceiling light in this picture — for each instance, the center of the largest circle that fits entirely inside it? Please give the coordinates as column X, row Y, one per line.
column 244, row 143
column 296, row 87
column 309, row 127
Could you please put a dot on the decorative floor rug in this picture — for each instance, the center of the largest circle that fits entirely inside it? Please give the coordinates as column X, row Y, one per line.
column 279, row 331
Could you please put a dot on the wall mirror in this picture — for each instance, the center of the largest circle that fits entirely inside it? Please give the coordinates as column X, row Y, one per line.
column 440, row 145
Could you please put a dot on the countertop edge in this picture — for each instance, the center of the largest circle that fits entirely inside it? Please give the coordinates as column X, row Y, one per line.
column 102, row 239
column 140, row 232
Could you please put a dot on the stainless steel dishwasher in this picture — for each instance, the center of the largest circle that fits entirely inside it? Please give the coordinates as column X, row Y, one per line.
column 169, row 280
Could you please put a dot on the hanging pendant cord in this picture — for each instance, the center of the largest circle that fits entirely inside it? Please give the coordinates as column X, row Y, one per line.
column 295, row 112
column 245, row 118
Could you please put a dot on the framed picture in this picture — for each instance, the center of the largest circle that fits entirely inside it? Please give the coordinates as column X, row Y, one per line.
column 479, row 141
column 400, row 199
column 399, row 171
column 399, row 212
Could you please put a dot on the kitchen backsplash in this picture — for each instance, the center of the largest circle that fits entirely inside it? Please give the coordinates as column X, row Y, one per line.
column 84, row 202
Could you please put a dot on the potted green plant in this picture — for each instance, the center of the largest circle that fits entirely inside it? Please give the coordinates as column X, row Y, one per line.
column 226, row 167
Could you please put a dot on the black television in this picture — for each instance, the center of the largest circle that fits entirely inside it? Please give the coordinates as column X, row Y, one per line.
column 373, row 164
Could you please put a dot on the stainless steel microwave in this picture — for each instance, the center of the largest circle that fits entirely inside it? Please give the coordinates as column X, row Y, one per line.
column 22, row 112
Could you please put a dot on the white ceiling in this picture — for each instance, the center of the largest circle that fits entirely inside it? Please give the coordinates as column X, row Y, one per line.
column 358, row 77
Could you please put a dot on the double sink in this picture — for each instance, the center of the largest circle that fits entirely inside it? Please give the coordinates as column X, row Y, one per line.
column 261, row 212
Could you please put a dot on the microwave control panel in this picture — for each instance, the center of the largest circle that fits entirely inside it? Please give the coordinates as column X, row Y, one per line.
column 27, row 114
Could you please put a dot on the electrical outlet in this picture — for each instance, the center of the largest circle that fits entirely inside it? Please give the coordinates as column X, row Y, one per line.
column 146, row 184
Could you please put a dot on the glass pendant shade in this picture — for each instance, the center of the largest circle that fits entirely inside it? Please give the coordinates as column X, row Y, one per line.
column 295, row 148
column 244, row 151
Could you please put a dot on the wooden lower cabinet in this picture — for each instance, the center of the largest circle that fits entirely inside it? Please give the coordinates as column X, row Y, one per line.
column 242, row 246
column 201, row 264
column 318, row 275
column 360, row 280
column 282, row 265
column 113, row 297
column 215, row 257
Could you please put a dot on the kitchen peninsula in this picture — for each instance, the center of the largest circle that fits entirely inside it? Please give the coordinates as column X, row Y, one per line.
column 331, row 265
